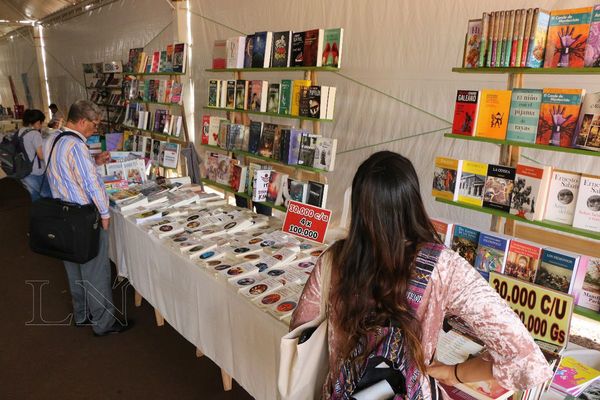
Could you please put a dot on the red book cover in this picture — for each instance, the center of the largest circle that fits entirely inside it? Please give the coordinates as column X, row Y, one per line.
column 313, row 43
column 465, row 112
column 522, row 260
column 205, row 126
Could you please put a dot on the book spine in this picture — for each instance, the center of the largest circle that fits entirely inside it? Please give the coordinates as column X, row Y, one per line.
column 509, row 38
column 498, row 57
column 527, row 35
column 483, row 49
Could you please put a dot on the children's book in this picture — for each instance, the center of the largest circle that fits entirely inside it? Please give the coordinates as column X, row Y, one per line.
column 537, row 40
column 592, row 47
column 573, row 376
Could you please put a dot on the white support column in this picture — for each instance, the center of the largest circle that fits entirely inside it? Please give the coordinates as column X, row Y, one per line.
column 183, row 34
column 38, row 39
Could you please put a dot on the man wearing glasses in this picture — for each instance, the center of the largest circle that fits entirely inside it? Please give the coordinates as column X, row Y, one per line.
column 73, row 178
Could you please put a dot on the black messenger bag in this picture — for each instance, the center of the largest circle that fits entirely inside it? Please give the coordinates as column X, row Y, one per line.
column 63, row 230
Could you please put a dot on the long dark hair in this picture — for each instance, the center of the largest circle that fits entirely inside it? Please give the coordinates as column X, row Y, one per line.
column 374, row 263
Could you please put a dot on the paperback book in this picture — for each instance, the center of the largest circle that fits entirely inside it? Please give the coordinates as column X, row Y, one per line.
column 281, row 51
column 587, row 209
column 537, row 40
column 587, row 133
column 562, row 196
column 557, row 270
column 465, row 241
column 472, row 177
column 592, row 47
column 472, row 43
column 332, row 47
column 586, row 289
column 567, row 36
column 465, row 112
column 444, row 178
column 494, row 108
column 559, row 113
column 524, row 115
column 492, row 250
column 522, row 260
column 529, row 192
column 498, row 187
column 443, row 229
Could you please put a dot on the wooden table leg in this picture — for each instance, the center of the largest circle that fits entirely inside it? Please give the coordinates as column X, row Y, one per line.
column 199, row 352
column 227, row 381
column 137, row 299
column 160, row 321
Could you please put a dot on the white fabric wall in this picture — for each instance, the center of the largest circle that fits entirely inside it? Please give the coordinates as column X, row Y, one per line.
column 395, row 89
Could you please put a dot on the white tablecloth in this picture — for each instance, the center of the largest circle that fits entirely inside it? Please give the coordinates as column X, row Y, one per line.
column 235, row 334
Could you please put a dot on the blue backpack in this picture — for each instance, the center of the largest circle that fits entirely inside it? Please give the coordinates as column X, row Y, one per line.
column 14, row 160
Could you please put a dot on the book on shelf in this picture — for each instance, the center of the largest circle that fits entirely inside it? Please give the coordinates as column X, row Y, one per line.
column 214, row 92
column 471, row 180
column 313, row 48
column 235, row 51
column 308, row 145
column 492, row 118
column 524, row 115
column 285, row 97
column 333, row 40
column 492, row 250
column 297, row 49
column 171, row 155
column 273, row 95
column 260, row 184
column 562, row 196
column 274, row 187
column 255, row 132
column 587, row 132
column 134, row 56
column 219, row 54
column 517, row 43
column 281, row 49
column 574, row 377
column 559, row 114
column 529, row 192
column 472, row 43
column 241, row 91
column 567, row 36
column 537, row 40
column 267, row 138
column 484, row 41
column 587, row 208
column 179, row 57
column 317, row 194
column 510, row 33
column 465, row 112
column 238, row 178
column 295, row 142
column 586, row 289
column 592, row 47
column 303, row 104
column 499, row 183
column 257, row 96
column 497, row 47
column 465, row 241
column 527, row 36
column 261, row 50
column 298, row 190
column 223, row 169
column 444, row 230
column 557, row 270
column 325, row 149
column 444, row 178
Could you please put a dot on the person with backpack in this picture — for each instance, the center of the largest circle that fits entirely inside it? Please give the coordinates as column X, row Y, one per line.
column 392, row 284
column 30, row 137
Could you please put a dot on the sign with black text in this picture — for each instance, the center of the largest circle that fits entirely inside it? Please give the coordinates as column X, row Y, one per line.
column 306, row 221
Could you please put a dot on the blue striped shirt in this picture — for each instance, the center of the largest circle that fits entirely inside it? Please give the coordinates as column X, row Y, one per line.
column 73, row 176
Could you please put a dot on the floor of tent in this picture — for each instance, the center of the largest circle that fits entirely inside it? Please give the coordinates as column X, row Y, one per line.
column 53, row 360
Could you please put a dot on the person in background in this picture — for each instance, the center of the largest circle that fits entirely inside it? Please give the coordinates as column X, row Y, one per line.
column 73, row 178
column 57, row 118
column 31, row 135
column 374, row 280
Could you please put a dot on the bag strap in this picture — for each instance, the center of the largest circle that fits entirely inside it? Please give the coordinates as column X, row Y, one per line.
column 20, row 137
column 325, row 283
column 56, row 139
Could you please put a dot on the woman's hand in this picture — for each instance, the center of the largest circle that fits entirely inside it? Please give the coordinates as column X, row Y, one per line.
column 442, row 373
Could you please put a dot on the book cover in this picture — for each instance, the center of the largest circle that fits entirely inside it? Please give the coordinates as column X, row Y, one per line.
column 524, row 115
column 260, row 184
column 529, row 192
column 248, row 51
column 257, row 97
column 572, row 376
column 255, row 133
column 557, row 269
column 297, row 49
column 471, row 182
column 214, row 90
column 587, row 209
column 444, row 178
column 522, row 260
column 317, row 194
column 499, row 30
column 492, row 116
column 316, row 107
column 537, row 40
column 567, row 35
column 133, row 60
column 281, row 52
column 465, row 241
column 266, row 140
column 223, row 169
column 219, row 54
column 527, row 36
column 472, row 43
column 443, row 229
column 586, row 288
column 499, row 183
column 509, row 38
column 261, row 51
column 592, row 47
column 170, row 155
column 308, row 145
column 235, row 47
column 303, row 106
column 587, row 132
column 562, row 196
column 492, row 39
column 277, row 141
column 230, row 92
column 273, row 98
column 559, row 113
column 274, row 186
column 332, row 47
column 285, row 97
column 179, row 57
column 325, row 149
column 241, row 90
column 313, row 48
column 238, row 178
column 298, row 190
column 465, row 112
column 297, row 86
column 294, row 147
column 491, row 254
column 515, row 60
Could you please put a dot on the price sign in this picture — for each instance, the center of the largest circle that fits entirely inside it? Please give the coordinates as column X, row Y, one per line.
column 546, row 313
column 306, row 221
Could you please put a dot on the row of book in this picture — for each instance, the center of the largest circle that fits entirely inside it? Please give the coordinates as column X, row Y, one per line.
column 281, row 143
column 153, row 90
column 107, row 67
column 575, row 274
column 262, row 182
column 162, row 153
column 533, row 193
column 290, row 97
column 170, row 59
column 312, row 48
column 534, row 38
column 138, row 116
column 109, row 81
column 552, row 116
column 102, row 97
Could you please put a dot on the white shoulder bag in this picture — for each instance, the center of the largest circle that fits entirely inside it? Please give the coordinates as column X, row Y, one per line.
column 303, row 367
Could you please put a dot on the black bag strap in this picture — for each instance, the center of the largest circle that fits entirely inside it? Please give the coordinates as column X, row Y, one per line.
column 20, row 137
column 56, row 139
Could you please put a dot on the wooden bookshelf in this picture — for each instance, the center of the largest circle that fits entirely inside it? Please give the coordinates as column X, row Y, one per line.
column 268, row 114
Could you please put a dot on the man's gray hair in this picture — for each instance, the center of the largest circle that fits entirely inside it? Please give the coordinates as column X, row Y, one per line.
column 83, row 109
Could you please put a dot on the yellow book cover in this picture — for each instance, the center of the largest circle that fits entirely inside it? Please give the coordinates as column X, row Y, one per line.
column 444, row 177
column 296, row 89
column 494, row 108
column 471, row 182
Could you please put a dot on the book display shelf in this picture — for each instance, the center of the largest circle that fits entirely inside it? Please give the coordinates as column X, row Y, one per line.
column 104, row 87
column 298, row 172
column 545, row 233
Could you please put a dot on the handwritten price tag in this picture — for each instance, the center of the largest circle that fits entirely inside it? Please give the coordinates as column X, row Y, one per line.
column 306, row 221
column 546, row 313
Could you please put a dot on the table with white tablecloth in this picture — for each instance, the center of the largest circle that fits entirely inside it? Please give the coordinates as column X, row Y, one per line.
column 238, row 336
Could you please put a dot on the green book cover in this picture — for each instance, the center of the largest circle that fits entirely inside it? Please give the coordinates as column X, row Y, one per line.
column 524, row 115
column 332, row 47
column 285, row 99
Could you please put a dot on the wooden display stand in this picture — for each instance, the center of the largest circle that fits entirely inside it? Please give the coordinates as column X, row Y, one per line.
column 298, row 172
column 563, row 237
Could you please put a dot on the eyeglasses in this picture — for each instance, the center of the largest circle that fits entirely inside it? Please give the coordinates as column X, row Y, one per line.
column 96, row 123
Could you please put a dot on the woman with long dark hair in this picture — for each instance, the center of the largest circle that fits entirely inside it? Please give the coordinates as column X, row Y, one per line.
column 393, row 267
